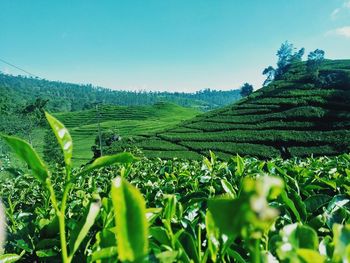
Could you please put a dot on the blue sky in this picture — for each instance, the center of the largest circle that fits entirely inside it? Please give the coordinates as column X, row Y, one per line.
column 174, row 45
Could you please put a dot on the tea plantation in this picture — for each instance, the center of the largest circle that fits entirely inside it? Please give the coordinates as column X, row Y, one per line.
column 293, row 116
column 243, row 210
column 125, row 121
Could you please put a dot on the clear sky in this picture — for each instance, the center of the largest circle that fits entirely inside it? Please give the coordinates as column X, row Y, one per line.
column 174, row 45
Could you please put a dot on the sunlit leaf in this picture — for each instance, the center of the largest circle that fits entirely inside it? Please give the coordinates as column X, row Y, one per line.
column 63, row 137
column 29, row 155
column 341, row 243
column 212, row 236
column 84, row 226
column 104, row 253
column 123, row 158
column 131, row 221
column 228, row 188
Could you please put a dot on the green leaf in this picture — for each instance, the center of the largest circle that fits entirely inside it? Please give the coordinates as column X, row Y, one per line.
column 170, row 208
column 228, row 188
column 167, row 256
column 212, row 236
column 240, row 165
column 294, row 237
column 229, row 215
column 131, row 221
column 160, row 234
column 8, row 258
column 63, row 137
column 336, row 209
column 290, row 204
column 310, row 256
column 29, row 155
column 104, row 253
column 84, row 226
column 341, row 241
column 189, row 246
column 46, row 253
column 124, row 158
column 315, row 202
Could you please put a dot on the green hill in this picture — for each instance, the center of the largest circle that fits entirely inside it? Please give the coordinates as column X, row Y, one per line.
column 296, row 115
column 18, row 91
column 127, row 121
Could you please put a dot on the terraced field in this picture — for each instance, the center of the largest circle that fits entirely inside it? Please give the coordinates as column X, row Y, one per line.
column 294, row 116
column 128, row 121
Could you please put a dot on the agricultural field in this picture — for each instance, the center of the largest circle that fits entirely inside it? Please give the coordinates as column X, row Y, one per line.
column 125, row 121
column 242, row 210
column 292, row 116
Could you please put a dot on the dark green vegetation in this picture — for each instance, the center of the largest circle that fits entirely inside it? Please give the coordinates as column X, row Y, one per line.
column 244, row 210
column 298, row 114
column 18, row 91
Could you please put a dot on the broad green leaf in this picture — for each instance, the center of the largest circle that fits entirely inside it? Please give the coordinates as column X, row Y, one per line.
column 124, row 158
column 294, row 237
column 299, row 204
column 290, row 204
column 63, row 137
column 336, row 210
column 167, row 256
column 9, row 258
column 160, row 234
column 84, row 226
column 229, row 215
column 315, row 202
column 131, row 221
column 228, row 188
column 189, row 246
column 235, row 255
column 341, row 239
column 104, row 253
column 212, row 236
column 29, row 155
column 310, row 256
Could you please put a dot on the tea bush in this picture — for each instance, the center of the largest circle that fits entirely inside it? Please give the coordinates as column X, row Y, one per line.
column 121, row 208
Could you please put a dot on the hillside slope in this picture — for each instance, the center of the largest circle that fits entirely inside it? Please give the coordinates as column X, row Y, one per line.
column 126, row 121
column 18, row 91
column 293, row 116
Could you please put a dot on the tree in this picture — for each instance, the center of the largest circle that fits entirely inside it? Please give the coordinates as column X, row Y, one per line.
column 286, row 56
column 270, row 73
column 246, row 89
column 107, row 138
column 314, row 60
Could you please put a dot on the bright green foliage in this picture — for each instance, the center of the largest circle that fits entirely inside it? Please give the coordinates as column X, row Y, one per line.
column 243, row 210
column 130, row 216
column 49, row 227
column 294, row 115
column 28, row 154
column 63, row 137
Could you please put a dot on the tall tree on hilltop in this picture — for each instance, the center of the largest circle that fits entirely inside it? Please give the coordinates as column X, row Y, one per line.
column 314, row 61
column 246, row 89
column 286, row 55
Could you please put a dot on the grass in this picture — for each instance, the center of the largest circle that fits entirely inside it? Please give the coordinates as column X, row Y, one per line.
column 293, row 116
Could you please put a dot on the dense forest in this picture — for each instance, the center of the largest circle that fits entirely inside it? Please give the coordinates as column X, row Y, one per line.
column 63, row 97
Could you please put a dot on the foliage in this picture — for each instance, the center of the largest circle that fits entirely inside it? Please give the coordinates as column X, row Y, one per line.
column 246, row 90
column 64, row 97
column 43, row 175
column 293, row 116
column 314, row 61
column 168, row 211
